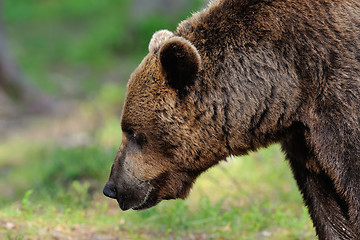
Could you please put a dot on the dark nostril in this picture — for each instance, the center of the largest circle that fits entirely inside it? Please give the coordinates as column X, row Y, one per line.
column 110, row 191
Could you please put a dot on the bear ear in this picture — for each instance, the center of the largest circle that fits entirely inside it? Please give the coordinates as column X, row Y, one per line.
column 180, row 62
column 157, row 39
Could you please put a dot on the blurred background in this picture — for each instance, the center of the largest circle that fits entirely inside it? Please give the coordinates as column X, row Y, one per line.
column 64, row 65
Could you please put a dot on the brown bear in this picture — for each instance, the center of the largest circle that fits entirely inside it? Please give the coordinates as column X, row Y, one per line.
column 240, row 75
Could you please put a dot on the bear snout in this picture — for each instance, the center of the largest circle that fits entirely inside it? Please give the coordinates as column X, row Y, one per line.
column 130, row 195
column 110, row 191
column 126, row 200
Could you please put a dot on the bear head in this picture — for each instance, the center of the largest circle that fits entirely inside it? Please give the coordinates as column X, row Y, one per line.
column 160, row 156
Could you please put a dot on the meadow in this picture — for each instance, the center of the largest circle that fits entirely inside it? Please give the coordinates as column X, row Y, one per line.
column 53, row 166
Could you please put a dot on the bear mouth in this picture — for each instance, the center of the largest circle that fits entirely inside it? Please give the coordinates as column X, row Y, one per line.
column 151, row 199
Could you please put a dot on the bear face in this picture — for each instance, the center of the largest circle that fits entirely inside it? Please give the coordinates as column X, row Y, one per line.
column 159, row 156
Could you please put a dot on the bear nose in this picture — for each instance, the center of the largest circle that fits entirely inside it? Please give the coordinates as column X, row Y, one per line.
column 110, row 191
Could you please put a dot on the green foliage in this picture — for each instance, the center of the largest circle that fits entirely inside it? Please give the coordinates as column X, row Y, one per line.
column 61, row 172
column 58, row 42
column 66, row 165
column 76, row 196
column 15, row 237
column 26, row 203
column 215, row 210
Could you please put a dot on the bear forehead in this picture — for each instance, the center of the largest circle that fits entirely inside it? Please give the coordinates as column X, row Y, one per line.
column 148, row 81
column 147, row 73
column 147, row 91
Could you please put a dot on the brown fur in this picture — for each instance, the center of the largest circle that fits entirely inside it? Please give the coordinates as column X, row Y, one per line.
column 241, row 75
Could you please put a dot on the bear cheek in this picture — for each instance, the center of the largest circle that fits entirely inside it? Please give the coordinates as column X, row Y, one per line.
column 173, row 185
column 142, row 166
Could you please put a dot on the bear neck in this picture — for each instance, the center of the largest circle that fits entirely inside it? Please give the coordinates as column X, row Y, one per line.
column 247, row 88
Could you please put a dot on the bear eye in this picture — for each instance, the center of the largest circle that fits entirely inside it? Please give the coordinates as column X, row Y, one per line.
column 133, row 134
column 135, row 137
column 130, row 134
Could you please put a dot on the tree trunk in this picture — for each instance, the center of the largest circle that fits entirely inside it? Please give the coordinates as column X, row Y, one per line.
column 14, row 83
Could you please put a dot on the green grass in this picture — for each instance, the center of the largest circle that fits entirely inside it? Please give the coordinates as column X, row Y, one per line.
column 251, row 197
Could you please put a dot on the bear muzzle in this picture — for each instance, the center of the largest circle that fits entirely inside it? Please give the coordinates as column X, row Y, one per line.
column 128, row 198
